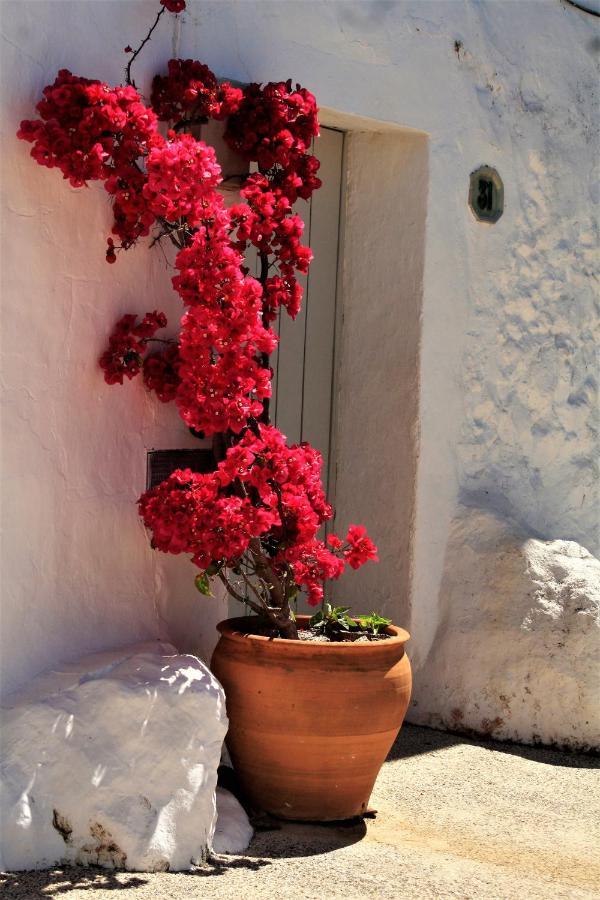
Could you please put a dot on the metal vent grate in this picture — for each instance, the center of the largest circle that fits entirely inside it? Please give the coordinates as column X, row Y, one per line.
column 161, row 463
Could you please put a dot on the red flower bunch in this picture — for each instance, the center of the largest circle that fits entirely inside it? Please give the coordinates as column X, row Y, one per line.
column 274, row 124
column 92, row 131
column 263, row 489
column 260, row 511
column 87, row 129
column 181, row 176
column 161, row 372
column 132, row 216
column 222, row 336
column 126, row 345
column 190, row 89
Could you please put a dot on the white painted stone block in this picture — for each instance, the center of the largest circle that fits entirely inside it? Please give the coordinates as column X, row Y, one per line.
column 516, row 654
column 233, row 832
column 113, row 761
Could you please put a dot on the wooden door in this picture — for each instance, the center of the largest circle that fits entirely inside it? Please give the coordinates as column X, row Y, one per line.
column 303, row 364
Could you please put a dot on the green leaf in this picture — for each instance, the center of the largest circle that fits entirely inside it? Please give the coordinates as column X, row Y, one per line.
column 202, row 583
column 374, row 622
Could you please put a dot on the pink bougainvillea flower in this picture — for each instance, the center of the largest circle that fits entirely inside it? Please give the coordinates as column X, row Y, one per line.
column 361, row 548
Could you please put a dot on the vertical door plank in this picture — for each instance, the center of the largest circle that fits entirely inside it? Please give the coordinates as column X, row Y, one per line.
column 290, row 357
column 321, row 310
column 321, row 305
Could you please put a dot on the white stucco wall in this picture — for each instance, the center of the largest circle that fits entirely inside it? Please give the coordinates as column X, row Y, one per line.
column 508, row 393
column 77, row 570
column 507, row 383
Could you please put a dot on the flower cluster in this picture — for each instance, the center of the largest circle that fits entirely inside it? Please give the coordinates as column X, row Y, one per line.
column 275, row 126
column 161, row 372
column 132, row 216
column 262, row 489
column 191, row 91
column 92, row 131
column 222, row 339
column 264, row 504
column 126, row 345
column 87, row 128
column 182, row 174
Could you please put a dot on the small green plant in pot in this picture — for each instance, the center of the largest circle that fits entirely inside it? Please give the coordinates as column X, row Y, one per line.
column 334, row 623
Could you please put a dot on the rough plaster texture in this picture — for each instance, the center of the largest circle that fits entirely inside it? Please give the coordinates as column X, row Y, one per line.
column 112, row 761
column 507, row 386
column 515, row 655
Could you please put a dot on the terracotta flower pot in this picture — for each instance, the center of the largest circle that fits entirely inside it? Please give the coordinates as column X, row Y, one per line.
column 310, row 724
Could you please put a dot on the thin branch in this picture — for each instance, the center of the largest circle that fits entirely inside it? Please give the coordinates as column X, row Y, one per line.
column 253, row 588
column 128, row 77
column 264, row 584
column 264, row 568
column 186, row 123
column 237, row 596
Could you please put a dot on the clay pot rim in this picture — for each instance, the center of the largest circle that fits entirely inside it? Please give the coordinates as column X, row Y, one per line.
column 231, row 629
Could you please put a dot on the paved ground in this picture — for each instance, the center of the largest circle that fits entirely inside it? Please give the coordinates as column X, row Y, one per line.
column 456, row 818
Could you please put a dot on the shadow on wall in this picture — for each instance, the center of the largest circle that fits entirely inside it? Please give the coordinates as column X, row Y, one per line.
column 414, row 741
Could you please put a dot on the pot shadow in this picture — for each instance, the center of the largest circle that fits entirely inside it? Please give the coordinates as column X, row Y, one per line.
column 414, row 740
column 298, row 839
column 279, row 838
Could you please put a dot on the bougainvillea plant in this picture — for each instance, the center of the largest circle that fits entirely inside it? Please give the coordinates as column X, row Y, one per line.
column 253, row 521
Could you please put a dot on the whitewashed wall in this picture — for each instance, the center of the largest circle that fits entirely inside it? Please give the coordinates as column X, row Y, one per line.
column 508, row 390
column 77, row 570
column 507, row 383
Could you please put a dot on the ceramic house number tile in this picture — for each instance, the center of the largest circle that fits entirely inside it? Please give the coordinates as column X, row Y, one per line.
column 486, row 194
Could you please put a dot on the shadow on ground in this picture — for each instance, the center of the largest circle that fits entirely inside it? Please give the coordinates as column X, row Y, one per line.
column 54, row 882
column 414, row 740
column 298, row 839
column 41, row 885
column 286, row 841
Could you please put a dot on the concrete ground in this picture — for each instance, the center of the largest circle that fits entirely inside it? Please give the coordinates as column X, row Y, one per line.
column 456, row 818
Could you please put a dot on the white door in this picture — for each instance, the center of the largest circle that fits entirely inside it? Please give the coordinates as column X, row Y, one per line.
column 302, row 401
column 304, row 362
